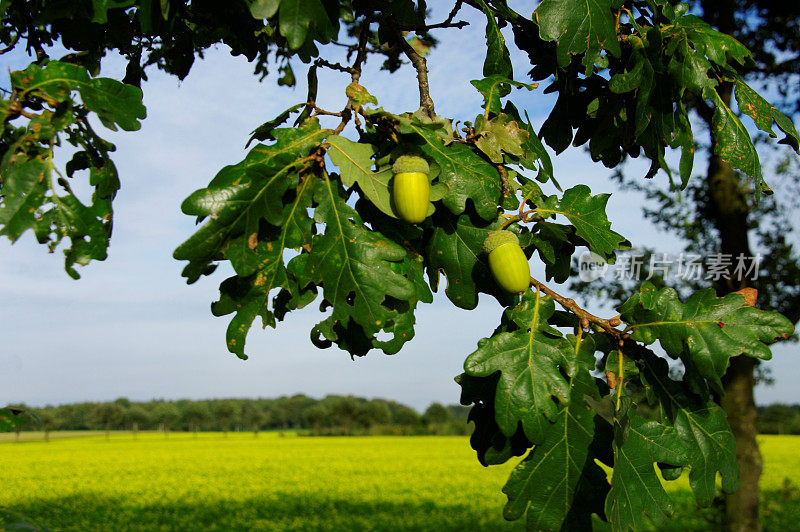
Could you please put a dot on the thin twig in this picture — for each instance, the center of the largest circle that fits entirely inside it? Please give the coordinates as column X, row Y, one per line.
column 334, row 66
column 15, row 109
column 321, row 111
column 503, row 179
column 525, row 217
column 454, row 11
column 355, row 73
column 361, row 56
column 11, row 45
column 421, row 66
column 448, row 23
column 584, row 315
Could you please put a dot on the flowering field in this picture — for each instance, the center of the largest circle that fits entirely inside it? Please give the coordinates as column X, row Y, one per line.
column 278, row 482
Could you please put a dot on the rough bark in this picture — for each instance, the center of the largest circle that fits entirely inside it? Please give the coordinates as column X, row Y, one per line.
column 741, row 507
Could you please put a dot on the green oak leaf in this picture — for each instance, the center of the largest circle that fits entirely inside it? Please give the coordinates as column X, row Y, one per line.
column 685, row 139
column 733, row 142
column 636, row 490
column 690, row 68
column 87, row 228
column 357, row 268
column 579, row 26
column 264, row 131
column 530, row 360
column 100, row 8
column 495, row 87
column 263, row 9
column 242, row 195
column 555, row 247
column 764, row 114
column 34, row 195
column 498, row 60
column 559, row 481
column 491, row 445
column 587, row 214
column 706, row 330
column 717, row 46
column 299, row 17
column 54, row 82
column 500, row 134
column 23, row 192
column 402, row 327
column 535, row 150
column 355, row 163
column 249, row 296
column 702, row 429
column 115, row 103
column 639, row 78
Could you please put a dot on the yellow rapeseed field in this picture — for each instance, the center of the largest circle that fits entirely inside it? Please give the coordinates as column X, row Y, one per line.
column 272, row 482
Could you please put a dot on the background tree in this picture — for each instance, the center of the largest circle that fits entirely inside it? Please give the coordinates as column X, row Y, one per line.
column 718, row 215
column 624, row 74
column 345, row 412
column 48, row 421
column 105, row 416
column 225, row 413
column 317, row 417
column 135, row 417
column 772, row 32
column 375, row 413
column 166, row 415
column 253, row 417
column 779, row 419
column 195, row 414
column 406, row 417
column 435, row 416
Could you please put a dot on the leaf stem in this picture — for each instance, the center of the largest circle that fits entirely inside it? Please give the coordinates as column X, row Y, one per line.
column 578, row 340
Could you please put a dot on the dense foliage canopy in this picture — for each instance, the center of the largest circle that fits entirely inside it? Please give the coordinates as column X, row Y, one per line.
column 309, row 214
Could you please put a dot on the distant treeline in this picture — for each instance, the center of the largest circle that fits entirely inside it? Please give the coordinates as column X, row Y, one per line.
column 779, row 419
column 333, row 415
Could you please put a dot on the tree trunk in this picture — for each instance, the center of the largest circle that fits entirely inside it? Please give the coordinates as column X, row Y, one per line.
column 728, row 208
column 741, row 507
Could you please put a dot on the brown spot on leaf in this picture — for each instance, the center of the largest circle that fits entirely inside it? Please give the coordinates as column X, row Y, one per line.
column 750, row 295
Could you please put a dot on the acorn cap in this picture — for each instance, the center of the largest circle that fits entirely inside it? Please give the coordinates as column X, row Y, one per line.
column 410, row 163
column 498, row 238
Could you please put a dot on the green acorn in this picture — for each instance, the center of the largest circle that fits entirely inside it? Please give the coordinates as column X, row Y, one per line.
column 411, row 189
column 507, row 261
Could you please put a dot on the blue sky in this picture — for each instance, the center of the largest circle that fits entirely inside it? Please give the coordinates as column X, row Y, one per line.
column 131, row 327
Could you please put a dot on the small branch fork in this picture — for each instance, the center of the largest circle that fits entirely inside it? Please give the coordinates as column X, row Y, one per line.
column 448, row 23
column 609, row 326
column 355, row 75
